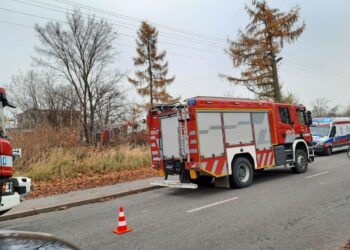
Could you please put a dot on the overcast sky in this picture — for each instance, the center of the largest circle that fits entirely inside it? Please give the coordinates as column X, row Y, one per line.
column 194, row 33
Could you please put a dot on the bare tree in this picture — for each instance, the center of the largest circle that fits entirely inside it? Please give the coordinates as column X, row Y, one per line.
column 81, row 54
column 112, row 107
column 26, row 88
column 321, row 107
column 347, row 111
column 34, row 93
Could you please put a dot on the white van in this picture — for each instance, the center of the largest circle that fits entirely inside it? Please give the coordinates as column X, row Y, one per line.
column 330, row 134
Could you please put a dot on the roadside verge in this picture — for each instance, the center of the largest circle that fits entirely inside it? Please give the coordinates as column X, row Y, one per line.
column 78, row 198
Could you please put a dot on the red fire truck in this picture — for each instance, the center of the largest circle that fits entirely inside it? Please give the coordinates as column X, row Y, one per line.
column 11, row 188
column 226, row 140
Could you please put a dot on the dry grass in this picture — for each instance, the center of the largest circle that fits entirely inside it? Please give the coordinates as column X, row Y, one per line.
column 51, row 152
column 37, row 144
column 72, row 161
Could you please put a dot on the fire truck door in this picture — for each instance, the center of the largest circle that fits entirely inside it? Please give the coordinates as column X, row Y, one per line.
column 286, row 133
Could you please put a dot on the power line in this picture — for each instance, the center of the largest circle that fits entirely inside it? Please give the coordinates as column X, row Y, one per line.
column 126, row 45
column 175, row 29
column 123, row 34
column 293, row 57
column 316, row 71
column 317, row 74
column 17, row 24
column 119, row 23
column 317, row 65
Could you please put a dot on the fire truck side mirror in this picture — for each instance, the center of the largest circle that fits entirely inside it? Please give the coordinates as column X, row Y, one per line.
column 308, row 118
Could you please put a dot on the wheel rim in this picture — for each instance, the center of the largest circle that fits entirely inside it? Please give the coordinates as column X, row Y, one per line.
column 301, row 161
column 243, row 173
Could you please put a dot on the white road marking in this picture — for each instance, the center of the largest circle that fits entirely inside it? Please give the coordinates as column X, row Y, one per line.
column 307, row 177
column 210, row 205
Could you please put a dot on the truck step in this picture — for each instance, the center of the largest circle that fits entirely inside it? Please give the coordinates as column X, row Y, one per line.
column 174, row 184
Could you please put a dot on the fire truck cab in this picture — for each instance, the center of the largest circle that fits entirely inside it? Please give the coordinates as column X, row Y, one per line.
column 225, row 140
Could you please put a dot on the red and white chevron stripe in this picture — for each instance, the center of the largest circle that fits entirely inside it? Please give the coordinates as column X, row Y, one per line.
column 155, row 151
column 264, row 158
column 215, row 166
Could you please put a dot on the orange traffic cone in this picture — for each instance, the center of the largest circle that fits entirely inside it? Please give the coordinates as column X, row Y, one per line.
column 122, row 227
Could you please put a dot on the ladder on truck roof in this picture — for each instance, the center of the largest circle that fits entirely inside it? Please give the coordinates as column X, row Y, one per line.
column 182, row 114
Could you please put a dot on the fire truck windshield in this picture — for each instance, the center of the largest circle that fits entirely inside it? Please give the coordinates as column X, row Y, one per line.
column 320, row 130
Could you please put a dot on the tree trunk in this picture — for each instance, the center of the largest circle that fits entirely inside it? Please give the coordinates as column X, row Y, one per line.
column 92, row 121
column 150, row 73
column 276, row 86
column 86, row 131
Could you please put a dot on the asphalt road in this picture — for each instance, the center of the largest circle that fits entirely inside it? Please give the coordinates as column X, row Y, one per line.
column 281, row 210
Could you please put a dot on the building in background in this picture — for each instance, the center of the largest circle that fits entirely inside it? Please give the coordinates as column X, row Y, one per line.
column 33, row 118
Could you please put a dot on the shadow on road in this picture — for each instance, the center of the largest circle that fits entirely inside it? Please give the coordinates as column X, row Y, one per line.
column 270, row 174
column 209, row 190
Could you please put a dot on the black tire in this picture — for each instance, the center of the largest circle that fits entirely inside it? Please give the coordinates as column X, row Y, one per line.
column 242, row 173
column 203, row 180
column 328, row 151
column 301, row 162
column 348, row 151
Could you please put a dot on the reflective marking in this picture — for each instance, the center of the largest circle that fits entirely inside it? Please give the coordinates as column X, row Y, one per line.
column 224, row 170
column 307, row 177
column 193, row 151
column 211, row 205
column 153, row 145
column 122, row 223
column 153, row 137
column 204, row 164
column 213, row 170
column 271, row 161
column 268, row 159
column 192, row 132
column 193, row 142
column 258, row 158
column 154, row 153
column 263, row 159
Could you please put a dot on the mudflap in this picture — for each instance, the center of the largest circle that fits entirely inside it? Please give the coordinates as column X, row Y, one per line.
column 222, row 182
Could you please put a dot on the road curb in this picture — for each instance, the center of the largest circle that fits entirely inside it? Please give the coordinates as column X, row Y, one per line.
column 66, row 205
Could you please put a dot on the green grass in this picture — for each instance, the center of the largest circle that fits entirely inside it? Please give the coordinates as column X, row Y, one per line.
column 71, row 161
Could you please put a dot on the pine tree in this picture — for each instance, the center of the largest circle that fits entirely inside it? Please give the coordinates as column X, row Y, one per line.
column 257, row 48
column 152, row 80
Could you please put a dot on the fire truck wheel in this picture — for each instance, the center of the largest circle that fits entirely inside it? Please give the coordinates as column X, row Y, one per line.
column 301, row 163
column 242, row 173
